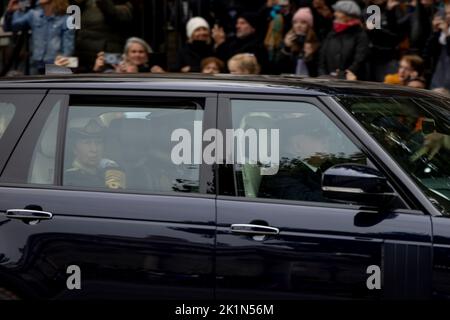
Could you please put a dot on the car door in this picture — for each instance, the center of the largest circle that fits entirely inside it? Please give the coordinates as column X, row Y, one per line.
column 279, row 238
column 146, row 232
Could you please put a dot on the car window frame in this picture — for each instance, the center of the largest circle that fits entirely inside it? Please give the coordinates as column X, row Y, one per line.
column 22, row 117
column 207, row 174
column 225, row 121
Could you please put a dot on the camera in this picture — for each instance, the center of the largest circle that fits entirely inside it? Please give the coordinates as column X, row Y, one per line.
column 113, row 58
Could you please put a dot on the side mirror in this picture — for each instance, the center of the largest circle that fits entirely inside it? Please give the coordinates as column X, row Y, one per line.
column 358, row 184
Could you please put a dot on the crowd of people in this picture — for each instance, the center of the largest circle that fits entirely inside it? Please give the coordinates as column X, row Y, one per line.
column 314, row 38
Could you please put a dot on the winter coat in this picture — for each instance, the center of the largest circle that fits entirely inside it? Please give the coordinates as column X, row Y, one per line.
column 344, row 50
column 251, row 44
column 192, row 55
column 287, row 62
column 441, row 75
column 105, row 26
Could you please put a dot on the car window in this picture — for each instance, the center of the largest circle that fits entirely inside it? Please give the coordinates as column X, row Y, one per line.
column 43, row 161
column 130, row 148
column 308, row 143
column 416, row 133
column 7, row 111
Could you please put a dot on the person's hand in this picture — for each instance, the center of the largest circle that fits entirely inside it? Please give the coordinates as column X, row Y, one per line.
column 218, row 35
column 157, row 69
column 391, row 4
column 186, row 69
column 61, row 61
column 126, row 67
column 308, row 49
column 99, row 62
column 13, row 5
column 289, row 39
column 350, row 75
column 432, row 144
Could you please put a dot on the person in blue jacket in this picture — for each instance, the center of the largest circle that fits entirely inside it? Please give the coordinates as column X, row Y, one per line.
column 50, row 36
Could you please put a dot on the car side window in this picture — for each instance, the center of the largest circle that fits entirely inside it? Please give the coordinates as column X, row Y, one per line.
column 308, row 143
column 122, row 147
column 7, row 111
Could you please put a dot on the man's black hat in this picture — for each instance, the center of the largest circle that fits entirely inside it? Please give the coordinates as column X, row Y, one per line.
column 252, row 18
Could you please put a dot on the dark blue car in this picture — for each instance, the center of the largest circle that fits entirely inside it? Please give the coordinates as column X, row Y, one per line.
column 148, row 187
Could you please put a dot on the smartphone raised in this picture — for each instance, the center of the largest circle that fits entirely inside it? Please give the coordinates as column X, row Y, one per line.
column 112, row 58
column 73, row 62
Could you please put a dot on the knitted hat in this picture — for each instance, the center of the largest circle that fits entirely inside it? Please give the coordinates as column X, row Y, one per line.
column 350, row 8
column 304, row 14
column 195, row 23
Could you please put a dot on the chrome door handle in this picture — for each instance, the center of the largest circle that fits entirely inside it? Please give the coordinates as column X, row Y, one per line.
column 25, row 214
column 253, row 229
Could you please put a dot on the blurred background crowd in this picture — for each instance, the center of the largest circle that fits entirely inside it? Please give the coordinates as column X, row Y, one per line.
column 315, row 38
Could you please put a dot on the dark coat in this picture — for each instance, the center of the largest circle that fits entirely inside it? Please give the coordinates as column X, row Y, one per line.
column 384, row 42
column 105, row 27
column 192, row 55
column 287, row 62
column 251, row 44
column 345, row 50
column 439, row 58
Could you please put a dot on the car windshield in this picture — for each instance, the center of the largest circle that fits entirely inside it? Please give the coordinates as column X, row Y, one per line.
column 416, row 133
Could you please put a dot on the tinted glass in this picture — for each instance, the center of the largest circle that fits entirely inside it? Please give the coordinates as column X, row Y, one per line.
column 130, row 148
column 416, row 133
column 308, row 144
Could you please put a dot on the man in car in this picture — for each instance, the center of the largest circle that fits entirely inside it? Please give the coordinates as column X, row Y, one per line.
column 302, row 163
column 89, row 168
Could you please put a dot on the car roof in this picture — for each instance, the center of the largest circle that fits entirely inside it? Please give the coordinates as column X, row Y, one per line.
column 224, row 83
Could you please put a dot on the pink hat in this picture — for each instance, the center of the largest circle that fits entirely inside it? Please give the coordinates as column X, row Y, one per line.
column 304, row 14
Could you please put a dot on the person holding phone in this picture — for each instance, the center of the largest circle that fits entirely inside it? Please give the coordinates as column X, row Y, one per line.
column 106, row 25
column 50, row 35
column 135, row 58
column 299, row 54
